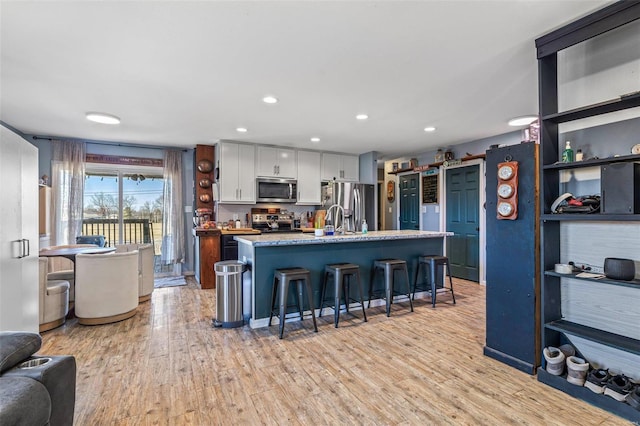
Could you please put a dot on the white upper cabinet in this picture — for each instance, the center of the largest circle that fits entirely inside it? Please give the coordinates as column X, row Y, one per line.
column 341, row 167
column 237, row 173
column 308, row 178
column 276, row 162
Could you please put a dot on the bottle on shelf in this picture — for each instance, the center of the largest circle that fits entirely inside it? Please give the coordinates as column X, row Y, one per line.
column 567, row 154
column 579, row 155
column 365, row 227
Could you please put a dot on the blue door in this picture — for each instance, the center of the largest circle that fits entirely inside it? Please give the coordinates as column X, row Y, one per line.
column 463, row 216
column 409, row 205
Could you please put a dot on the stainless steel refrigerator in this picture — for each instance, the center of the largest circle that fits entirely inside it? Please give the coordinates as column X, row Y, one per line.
column 358, row 201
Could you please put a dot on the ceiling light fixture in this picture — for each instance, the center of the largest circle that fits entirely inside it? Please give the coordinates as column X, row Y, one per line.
column 270, row 100
column 315, row 140
column 101, row 117
column 362, row 116
column 429, row 129
column 241, row 129
column 523, row 121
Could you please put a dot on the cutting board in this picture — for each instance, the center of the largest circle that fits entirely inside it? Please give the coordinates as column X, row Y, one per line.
column 240, row 231
column 308, row 229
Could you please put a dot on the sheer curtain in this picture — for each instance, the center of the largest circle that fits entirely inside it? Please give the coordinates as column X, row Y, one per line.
column 67, row 187
column 172, row 218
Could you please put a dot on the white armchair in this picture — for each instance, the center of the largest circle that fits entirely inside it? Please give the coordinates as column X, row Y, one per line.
column 106, row 287
column 145, row 268
column 60, row 268
column 54, row 299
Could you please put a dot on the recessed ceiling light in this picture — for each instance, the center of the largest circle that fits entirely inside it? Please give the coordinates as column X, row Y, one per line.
column 241, row 129
column 522, row 121
column 270, row 100
column 362, row 116
column 100, row 117
column 315, row 140
column 429, row 129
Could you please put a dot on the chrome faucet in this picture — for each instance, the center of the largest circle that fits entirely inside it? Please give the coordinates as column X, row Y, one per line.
column 338, row 220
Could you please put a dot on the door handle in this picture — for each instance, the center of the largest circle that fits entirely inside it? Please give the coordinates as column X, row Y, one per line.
column 28, row 248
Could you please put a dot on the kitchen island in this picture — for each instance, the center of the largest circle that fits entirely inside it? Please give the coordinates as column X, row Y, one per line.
column 265, row 253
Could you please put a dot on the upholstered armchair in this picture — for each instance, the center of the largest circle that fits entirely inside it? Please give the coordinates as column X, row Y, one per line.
column 61, row 268
column 145, row 268
column 54, row 299
column 106, row 287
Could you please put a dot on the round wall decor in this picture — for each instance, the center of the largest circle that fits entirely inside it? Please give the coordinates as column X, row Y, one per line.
column 205, row 183
column 205, row 166
column 205, row 198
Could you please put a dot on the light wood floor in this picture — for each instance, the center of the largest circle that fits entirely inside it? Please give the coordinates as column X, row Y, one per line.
column 167, row 365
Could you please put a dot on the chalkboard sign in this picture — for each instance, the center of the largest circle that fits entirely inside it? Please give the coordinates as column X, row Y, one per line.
column 430, row 189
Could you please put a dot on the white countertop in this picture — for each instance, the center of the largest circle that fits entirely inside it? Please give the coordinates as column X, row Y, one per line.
column 284, row 239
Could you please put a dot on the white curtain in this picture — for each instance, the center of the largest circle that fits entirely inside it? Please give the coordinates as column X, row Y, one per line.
column 67, row 187
column 172, row 218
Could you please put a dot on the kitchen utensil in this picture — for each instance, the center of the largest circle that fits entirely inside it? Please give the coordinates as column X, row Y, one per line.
column 205, row 166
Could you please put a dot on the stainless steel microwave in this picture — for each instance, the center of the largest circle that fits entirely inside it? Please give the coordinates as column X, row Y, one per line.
column 273, row 190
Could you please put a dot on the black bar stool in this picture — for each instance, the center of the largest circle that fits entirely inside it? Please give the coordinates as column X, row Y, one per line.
column 281, row 280
column 389, row 267
column 432, row 262
column 342, row 274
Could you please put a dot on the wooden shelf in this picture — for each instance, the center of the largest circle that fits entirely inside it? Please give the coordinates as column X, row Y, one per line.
column 613, row 340
column 438, row 164
column 592, row 163
column 599, row 400
column 591, row 217
column 608, row 281
column 613, row 105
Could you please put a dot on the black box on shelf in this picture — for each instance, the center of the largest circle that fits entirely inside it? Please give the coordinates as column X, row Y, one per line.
column 620, row 185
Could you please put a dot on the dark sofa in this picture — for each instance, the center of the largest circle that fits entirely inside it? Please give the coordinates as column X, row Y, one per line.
column 34, row 389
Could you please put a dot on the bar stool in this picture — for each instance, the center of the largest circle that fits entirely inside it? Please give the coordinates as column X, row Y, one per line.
column 432, row 262
column 389, row 267
column 342, row 274
column 281, row 280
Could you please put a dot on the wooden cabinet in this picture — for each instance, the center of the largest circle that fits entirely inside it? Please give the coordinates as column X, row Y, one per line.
column 18, row 234
column 237, row 180
column 204, row 177
column 341, row 167
column 309, row 183
column 207, row 253
column 599, row 317
column 276, row 162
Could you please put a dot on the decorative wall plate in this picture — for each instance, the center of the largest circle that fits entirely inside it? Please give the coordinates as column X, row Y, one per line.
column 205, row 183
column 205, row 198
column 205, row 166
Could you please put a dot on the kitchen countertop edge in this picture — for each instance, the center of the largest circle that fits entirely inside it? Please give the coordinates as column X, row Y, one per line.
column 265, row 240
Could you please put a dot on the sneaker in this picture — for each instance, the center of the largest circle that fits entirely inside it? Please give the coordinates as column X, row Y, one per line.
column 634, row 398
column 597, row 379
column 618, row 387
column 576, row 370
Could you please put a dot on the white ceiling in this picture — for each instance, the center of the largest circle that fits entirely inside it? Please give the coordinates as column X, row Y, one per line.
column 182, row 73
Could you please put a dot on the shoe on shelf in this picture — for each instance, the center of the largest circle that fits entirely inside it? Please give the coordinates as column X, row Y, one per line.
column 555, row 360
column 618, row 387
column 597, row 380
column 576, row 370
column 633, row 399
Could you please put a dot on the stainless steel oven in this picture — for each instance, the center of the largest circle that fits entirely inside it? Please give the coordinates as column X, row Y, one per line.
column 269, row 190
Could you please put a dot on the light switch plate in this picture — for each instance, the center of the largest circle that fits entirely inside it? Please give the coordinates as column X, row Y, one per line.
column 424, row 209
column 188, row 209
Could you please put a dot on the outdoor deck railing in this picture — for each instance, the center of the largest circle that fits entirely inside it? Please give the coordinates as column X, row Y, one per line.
column 136, row 231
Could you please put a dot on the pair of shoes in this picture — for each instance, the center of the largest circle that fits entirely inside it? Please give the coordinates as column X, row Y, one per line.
column 597, row 380
column 618, row 387
column 633, row 399
column 555, row 360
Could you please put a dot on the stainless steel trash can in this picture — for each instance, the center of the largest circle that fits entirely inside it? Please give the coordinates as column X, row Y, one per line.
column 228, row 294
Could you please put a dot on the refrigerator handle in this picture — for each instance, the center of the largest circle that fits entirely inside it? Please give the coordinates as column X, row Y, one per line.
column 357, row 210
